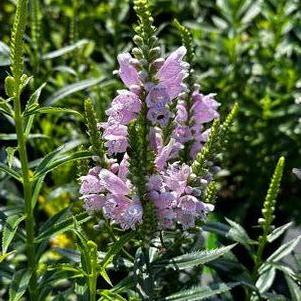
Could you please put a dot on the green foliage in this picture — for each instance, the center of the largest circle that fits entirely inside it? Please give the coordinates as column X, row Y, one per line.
column 248, row 52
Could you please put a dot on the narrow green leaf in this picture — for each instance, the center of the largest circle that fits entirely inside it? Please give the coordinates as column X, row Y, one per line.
column 73, row 88
column 65, row 158
column 63, row 226
column 19, row 284
column 278, row 232
column 9, row 230
column 51, row 110
column 238, row 233
column 32, row 103
column 9, row 137
column 193, row 259
column 110, row 296
column 65, row 50
column 11, row 172
column 294, row 289
column 284, row 250
column 265, row 280
column 200, row 293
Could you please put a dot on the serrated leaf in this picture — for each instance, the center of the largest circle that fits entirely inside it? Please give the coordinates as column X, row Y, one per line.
column 284, row 250
column 63, row 226
column 265, row 280
column 9, row 230
column 278, row 232
column 238, row 233
column 200, row 293
column 73, row 88
column 19, row 284
column 193, row 259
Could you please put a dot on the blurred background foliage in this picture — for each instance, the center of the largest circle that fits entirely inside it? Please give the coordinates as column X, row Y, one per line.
column 246, row 51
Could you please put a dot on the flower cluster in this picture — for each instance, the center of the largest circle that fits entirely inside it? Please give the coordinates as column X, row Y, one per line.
column 109, row 190
column 171, row 186
column 176, row 201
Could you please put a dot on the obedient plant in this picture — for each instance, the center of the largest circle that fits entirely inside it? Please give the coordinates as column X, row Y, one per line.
column 150, row 126
column 146, row 187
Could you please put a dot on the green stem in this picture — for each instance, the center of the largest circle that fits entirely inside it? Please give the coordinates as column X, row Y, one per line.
column 27, row 188
column 92, row 273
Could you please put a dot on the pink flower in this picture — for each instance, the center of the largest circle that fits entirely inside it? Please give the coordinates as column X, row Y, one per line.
column 113, row 183
column 164, row 154
column 90, row 184
column 124, row 108
column 127, row 72
column 173, row 72
column 158, row 116
column 204, row 107
column 123, row 210
column 116, row 137
column 157, row 97
column 94, row 202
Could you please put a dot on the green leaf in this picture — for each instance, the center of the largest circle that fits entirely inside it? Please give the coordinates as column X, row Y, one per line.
column 73, row 88
column 52, row 163
column 9, row 230
column 284, row 250
column 5, row 107
column 65, row 50
column 32, row 103
column 265, row 280
column 278, row 232
column 11, row 172
column 110, row 296
column 294, row 289
column 200, row 293
column 62, row 226
column 115, row 249
column 193, row 259
column 72, row 255
column 51, row 110
column 238, row 233
column 9, row 137
column 19, row 284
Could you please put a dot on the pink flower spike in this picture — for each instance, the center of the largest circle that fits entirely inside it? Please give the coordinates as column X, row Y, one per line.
column 127, row 72
column 113, row 183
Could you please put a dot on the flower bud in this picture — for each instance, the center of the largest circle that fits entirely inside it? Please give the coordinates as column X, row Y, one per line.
column 10, row 86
